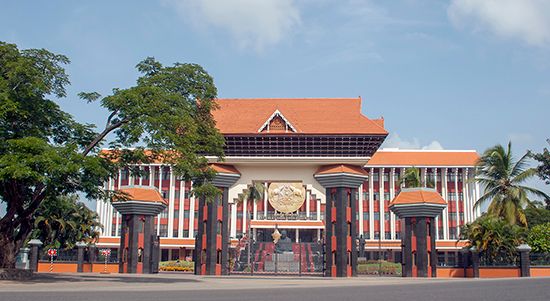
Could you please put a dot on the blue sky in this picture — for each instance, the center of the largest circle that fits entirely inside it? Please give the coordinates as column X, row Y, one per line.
column 457, row 74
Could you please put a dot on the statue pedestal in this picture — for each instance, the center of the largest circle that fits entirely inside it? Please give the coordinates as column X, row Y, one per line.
column 284, row 262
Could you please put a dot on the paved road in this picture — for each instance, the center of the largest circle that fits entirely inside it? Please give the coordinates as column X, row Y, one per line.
column 170, row 287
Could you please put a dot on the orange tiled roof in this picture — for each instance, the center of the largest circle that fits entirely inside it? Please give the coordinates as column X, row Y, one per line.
column 340, row 168
column 143, row 194
column 418, row 196
column 423, row 158
column 306, row 115
column 224, row 168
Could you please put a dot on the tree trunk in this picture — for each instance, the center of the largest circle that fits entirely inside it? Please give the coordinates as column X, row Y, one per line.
column 8, row 251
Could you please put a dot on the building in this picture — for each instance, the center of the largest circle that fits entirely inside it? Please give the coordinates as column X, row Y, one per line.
column 298, row 142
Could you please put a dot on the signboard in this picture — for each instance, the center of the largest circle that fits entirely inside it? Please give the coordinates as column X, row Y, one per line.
column 52, row 252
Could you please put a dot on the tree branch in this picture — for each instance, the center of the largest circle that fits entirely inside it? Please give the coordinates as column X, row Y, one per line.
column 102, row 135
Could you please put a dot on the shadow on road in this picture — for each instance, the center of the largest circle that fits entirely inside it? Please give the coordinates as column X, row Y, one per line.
column 54, row 278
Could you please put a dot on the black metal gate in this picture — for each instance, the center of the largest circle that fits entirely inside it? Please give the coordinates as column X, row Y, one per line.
column 260, row 258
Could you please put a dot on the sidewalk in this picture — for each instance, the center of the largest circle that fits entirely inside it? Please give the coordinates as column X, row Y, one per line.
column 174, row 281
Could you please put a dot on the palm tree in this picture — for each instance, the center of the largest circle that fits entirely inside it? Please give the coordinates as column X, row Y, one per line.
column 412, row 179
column 502, row 178
column 251, row 194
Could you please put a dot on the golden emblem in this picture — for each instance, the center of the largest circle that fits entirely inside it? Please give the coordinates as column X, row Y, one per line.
column 286, row 197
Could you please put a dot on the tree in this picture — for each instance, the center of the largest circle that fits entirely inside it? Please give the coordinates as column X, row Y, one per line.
column 411, row 178
column 502, row 177
column 494, row 237
column 45, row 153
column 543, row 169
column 539, row 238
column 61, row 222
column 537, row 214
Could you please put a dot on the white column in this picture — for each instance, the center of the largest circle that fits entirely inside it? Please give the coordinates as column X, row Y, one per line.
column 99, row 209
column 117, row 215
column 392, row 195
column 318, row 208
column 456, row 202
column 434, row 170
column 191, row 214
column 445, row 211
column 171, row 204
column 233, row 228
column 360, row 208
column 382, row 212
column 466, row 195
column 181, row 209
column 297, row 235
column 371, row 204
column 477, row 194
column 423, row 176
column 308, row 195
column 255, row 210
column 141, row 176
column 160, row 190
column 245, row 217
column 265, row 200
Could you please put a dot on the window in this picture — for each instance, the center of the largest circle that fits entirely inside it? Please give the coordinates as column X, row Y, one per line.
column 366, row 235
column 461, row 196
column 452, row 233
column 165, row 194
column 176, row 213
column 124, row 174
column 365, row 216
column 177, row 194
column 365, row 195
column 165, row 173
column 452, row 216
column 377, row 216
column 375, row 176
column 185, row 213
column 387, row 235
column 164, row 213
column 386, row 177
column 398, row 235
column 163, row 230
column 376, row 196
column 387, row 196
column 145, row 174
column 376, row 235
column 175, row 233
column 185, row 233
column 387, row 216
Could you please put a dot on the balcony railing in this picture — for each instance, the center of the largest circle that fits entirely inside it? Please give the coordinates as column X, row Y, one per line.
column 276, row 216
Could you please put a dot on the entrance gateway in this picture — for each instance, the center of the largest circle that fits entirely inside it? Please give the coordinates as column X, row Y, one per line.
column 326, row 191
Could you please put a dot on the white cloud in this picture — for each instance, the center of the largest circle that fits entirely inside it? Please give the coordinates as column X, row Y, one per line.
column 526, row 20
column 395, row 141
column 252, row 23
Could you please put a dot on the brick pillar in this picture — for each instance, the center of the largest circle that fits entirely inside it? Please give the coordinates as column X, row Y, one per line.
column 524, row 261
column 80, row 257
column 35, row 248
column 475, row 261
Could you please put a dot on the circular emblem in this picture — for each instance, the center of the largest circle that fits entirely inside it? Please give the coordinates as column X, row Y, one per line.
column 286, row 197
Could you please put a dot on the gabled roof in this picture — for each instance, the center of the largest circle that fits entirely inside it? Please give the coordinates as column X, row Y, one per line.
column 421, row 158
column 306, row 115
column 340, row 169
column 142, row 194
column 409, row 196
column 277, row 114
column 224, row 168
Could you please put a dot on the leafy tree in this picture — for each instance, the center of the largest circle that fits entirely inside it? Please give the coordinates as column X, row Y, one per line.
column 412, row 178
column 539, row 238
column 494, row 237
column 61, row 222
column 45, row 153
column 502, row 177
column 537, row 214
column 543, row 169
